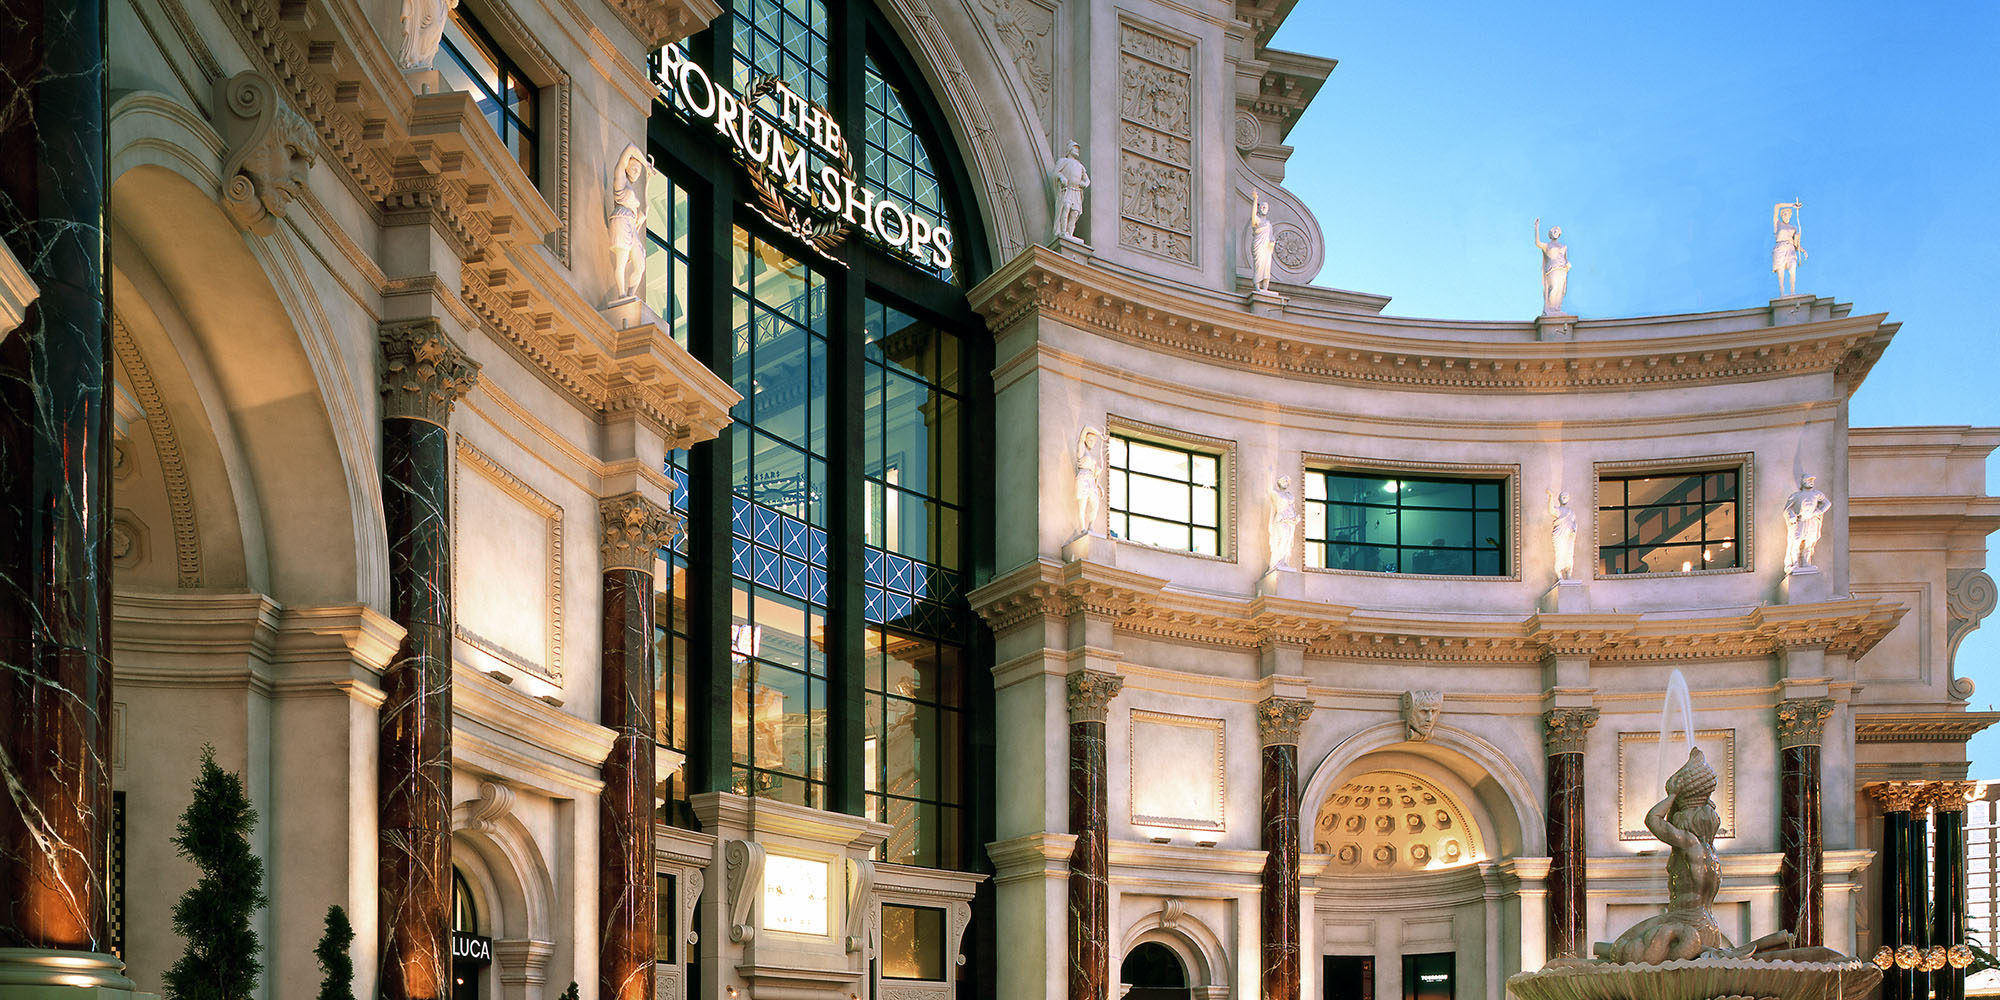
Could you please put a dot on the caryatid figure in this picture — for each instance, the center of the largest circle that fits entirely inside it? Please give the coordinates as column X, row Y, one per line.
column 1089, row 478
column 1555, row 269
column 1285, row 518
column 1805, row 510
column 1786, row 251
column 1071, row 178
column 1562, row 534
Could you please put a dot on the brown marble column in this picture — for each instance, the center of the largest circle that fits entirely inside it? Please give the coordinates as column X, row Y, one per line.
column 1897, row 799
column 1279, row 721
column 634, row 528
column 1801, row 880
column 1948, row 800
column 1090, row 694
column 55, row 492
column 423, row 375
column 1565, row 732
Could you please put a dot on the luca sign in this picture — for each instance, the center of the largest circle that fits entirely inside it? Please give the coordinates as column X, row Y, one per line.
column 796, row 155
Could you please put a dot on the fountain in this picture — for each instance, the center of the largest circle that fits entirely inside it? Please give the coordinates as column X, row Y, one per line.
column 1682, row 954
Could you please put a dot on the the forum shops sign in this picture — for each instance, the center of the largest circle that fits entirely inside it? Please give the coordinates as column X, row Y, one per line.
column 799, row 162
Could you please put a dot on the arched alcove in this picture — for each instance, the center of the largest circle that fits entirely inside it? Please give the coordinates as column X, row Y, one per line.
column 1153, row 971
column 1495, row 792
column 1389, row 820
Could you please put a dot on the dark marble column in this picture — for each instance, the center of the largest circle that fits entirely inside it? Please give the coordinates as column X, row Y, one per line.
column 634, row 528
column 55, row 485
column 1090, row 694
column 423, row 375
column 1948, row 895
column 1917, row 925
column 1565, row 733
column 1897, row 798
column 1279, row 721
column 1801, row 880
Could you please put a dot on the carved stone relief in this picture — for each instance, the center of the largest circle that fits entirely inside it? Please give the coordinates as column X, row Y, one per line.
column 271, row 149
column 1969, row 597
column 1025, row 28
column 1156, row 140
column 167, row 451
column 1248, row 131
column 743, row 872
column 1638, row 785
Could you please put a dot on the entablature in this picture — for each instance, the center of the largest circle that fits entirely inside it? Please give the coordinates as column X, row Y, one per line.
column 1144, row 605
column 1672, row 352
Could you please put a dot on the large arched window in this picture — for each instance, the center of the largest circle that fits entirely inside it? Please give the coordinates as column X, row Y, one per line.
column 815, row 642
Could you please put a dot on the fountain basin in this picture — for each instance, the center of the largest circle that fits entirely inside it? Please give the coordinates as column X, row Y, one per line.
column 1700, row 979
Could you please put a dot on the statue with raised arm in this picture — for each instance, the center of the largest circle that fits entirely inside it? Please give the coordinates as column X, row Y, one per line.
column 1263, row 245
column 1562, row 534
column 1685, row 821
column 1071, row 178
column 423, row 31
column 1089, row 478
column 1555, row 269
column 628, row 225
column 1805, row 511
column 1786, row 251
column 1285, row 520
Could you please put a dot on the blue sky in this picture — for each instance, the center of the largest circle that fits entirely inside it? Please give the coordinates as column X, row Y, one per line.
column 1659, row 136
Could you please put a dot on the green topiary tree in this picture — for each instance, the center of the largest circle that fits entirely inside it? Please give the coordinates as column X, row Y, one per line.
column 220, row 962
column 569, row 994
column 334, row 962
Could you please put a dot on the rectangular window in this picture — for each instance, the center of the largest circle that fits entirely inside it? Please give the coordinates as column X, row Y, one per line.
column 1165, row 495
column 1388, row 522
column 912, row 942
column 667, row 259
column 1674, row 522
column 471, row 61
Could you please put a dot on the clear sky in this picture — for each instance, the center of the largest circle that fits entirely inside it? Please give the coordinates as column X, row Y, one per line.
column 1659, row 136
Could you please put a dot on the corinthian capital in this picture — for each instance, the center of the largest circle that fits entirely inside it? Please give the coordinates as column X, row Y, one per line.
column 1900, row 796
column 423, row 372
column 1090, row 694
column 1802, row 721
column 1279, row 720
column 1951, row 796
column 1567, row 730
column 632, row 530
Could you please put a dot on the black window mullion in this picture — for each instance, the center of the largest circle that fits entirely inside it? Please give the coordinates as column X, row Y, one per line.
column 847, row 442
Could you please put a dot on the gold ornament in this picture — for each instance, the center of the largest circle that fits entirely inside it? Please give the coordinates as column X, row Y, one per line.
column 1959, row 956
column 1885, row 957
column 1934, row 958
column 1908, row 957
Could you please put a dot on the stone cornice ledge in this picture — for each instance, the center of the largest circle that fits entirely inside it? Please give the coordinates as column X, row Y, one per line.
column 497, row 728
column 1920, row 727
column 1044, row 855
column 1408, row 354
column 185, row 639
column 1146, row 605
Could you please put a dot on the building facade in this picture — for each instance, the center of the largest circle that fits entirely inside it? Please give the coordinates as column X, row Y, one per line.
column 706, row 500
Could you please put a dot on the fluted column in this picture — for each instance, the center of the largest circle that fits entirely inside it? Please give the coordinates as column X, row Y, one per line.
column 1801, row 879
column 1948, row 800
column 423, row 375
column 55, row 497
column 1090, row 694
column 634, row 528
column 1565, row 733
column 1279, row 721
column 1897, row 799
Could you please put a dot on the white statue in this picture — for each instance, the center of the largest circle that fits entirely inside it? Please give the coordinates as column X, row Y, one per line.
column 1562, row 533
column 1285, row 518
column 1786, row 252
column 628, row 225
column 1420, row 714
column 1263, row 247
column 1555, row 269
column 1071, row 179
column 1089, row 479
column 1805, row 509
column 423, row 29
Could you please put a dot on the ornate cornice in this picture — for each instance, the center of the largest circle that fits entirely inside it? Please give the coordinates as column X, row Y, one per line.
column 1147, row 606
column 423, row 372
column 1900, row 796
column 1280, row 720
column 1399, row 354
column 1802, row 721
column 633, row 529
column 166, row 448
column 1920, row 727
column 658, row 22
column 1090, row 693
column 1567, row 730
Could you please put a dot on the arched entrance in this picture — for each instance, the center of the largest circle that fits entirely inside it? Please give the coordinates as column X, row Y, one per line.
column 1154, row 972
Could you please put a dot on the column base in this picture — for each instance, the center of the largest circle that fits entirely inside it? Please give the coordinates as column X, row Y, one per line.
column 1091, row 547
column 1070, row 246
column 425, row 81
column 46, row 974
column 1805, row 585
column 1567, row 597
column 1555, row 326
column 1789, row 309
column 1280, row 583
column 1265, row 303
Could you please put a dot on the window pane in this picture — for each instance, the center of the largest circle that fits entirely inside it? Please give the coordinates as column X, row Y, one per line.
column 1157, row 461
column 912, row 942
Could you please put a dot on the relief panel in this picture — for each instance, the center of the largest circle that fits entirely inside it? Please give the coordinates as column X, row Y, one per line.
column 1177, row 771
column 1639, row 787
column 508, row 586
column 1156, row 143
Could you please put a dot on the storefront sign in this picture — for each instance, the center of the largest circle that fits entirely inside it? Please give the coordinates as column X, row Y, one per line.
column 471, row 948
column 793, row 146
column 795, row 895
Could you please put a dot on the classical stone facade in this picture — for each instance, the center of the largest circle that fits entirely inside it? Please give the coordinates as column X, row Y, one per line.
column 843, row 703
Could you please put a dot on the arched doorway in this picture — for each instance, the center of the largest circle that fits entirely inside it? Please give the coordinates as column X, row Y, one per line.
column 1153, row 972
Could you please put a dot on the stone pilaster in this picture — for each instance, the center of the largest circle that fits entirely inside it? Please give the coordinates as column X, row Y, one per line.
column 1279, row 721
column 1565, row 733
column 1090, row 693
column 1897, row 799
column 633, row 529
column 55, row 503
column 423, row 375
column 1801, row 879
